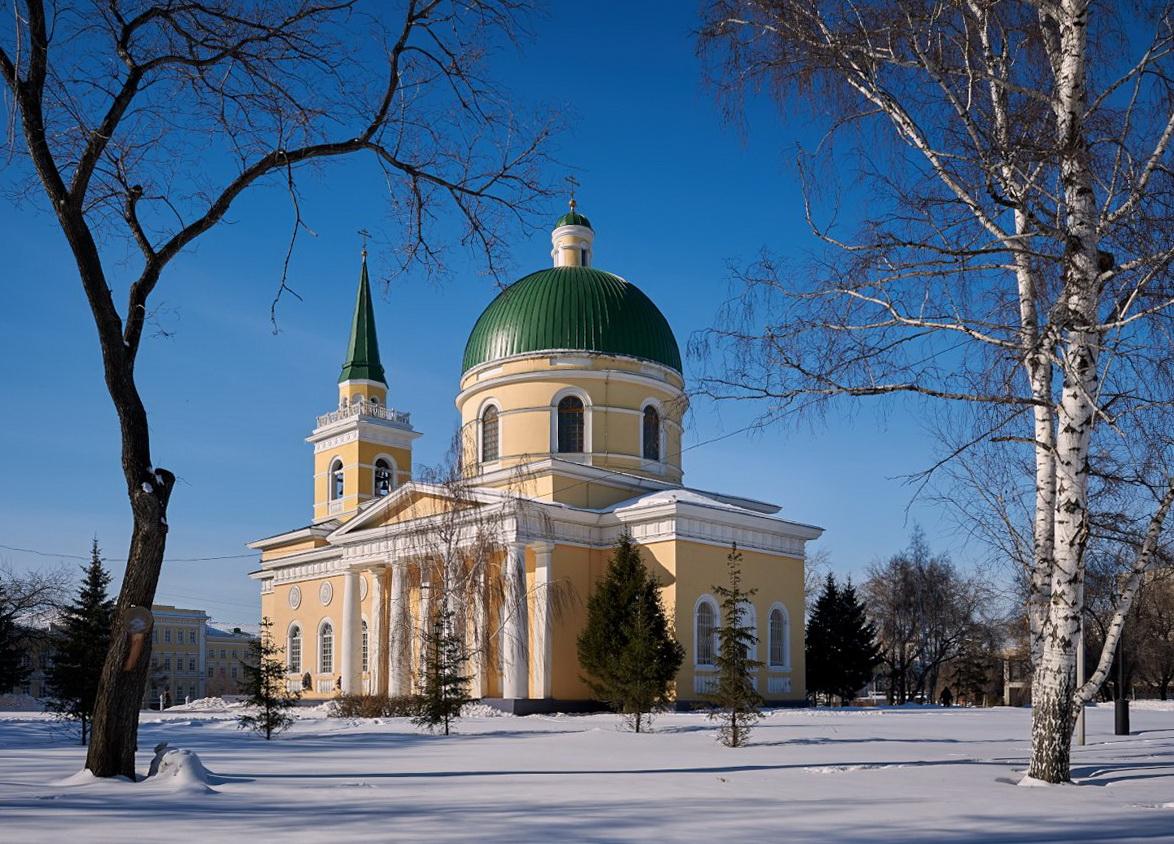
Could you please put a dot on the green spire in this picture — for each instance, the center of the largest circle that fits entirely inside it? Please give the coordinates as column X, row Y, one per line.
column 362, row 360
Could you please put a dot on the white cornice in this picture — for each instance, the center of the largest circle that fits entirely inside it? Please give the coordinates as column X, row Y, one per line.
column 653, row 374
column 290, row 536
column 367, row 428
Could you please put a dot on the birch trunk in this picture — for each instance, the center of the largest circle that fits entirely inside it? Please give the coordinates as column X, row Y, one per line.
column 1054, row 689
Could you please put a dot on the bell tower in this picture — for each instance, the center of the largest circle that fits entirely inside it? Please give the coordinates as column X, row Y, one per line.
column 363, row 449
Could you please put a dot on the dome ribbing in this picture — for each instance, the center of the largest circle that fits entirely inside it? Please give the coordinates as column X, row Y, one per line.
column 572, row 309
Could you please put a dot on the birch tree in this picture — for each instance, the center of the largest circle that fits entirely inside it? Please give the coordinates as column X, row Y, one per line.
column 1008, row 259
column 141, row 124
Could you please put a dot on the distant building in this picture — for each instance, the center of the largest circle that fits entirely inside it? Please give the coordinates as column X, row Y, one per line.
column 227, row 650
column 37, row 656
column 190, row 659
column 177, row 655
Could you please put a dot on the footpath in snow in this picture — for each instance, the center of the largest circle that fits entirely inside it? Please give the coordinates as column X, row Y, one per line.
column 883, row 775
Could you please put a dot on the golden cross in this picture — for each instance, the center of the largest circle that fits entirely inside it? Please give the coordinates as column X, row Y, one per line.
column 363, row 233
column 573, row 183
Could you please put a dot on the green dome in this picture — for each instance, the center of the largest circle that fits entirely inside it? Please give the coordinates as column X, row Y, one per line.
column 572, row 308
column 573, row 218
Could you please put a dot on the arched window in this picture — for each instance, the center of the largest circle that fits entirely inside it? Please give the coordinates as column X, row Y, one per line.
column 779, row 637
column 382, row 478
column 374, row 401
column 294, row 650
column 365, row 651
column 326, row 649
column 336, row 480
column 489, row 434
column 651, row 433
column 570, row 425
column 705, row 630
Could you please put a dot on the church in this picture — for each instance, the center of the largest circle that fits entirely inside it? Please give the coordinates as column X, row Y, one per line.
column 571, row 401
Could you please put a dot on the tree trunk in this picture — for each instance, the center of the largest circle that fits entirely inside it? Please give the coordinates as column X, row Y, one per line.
column 1055, row 716
column 114, row 735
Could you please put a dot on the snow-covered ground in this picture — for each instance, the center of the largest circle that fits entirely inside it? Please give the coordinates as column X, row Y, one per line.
column 881, row 775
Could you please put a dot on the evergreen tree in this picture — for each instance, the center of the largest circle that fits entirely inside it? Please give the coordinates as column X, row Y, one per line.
column 13, row 671
column 736, row 701
column 859, row 653
column 841, row 643
column 265, row 684
column 822, row 657
column 80, row 644
column 626, row 649
column 444, row 685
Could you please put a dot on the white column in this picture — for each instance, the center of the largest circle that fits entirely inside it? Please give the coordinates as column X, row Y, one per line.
column 479, row 664
column 351, row 633
column 377, row 633
column 398, row 635
column 515, row 680
column 542, row 625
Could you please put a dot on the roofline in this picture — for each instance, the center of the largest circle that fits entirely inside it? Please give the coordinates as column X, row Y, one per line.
column 308, row 532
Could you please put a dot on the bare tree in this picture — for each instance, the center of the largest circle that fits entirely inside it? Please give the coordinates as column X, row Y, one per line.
column 926, row 615
column 1009, row 262
column 1153, row 635
column 456, row 556
column 143, row 123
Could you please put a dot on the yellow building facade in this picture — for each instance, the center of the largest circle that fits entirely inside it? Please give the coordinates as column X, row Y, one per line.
column 571, row 403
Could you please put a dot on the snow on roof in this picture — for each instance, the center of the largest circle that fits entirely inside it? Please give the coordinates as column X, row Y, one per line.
column 683, row 495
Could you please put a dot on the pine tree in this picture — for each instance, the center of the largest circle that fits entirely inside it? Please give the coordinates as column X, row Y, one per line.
column 444, row 685
column 626, row 649
column 13, row 671
column 736, row 701
column 822, row 657
column 80, row 644
column 859, row 653
column 265, row 684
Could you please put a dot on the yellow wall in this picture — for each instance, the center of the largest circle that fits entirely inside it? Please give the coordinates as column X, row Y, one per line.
column 275, row 606
column 358, row 465
column 614, row 406
column 350, row 390
column 685, row 570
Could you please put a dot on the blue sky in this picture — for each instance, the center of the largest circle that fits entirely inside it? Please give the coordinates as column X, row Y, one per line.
column 231, row 403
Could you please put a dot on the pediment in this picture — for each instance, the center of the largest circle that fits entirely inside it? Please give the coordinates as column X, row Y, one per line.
column 410, row 502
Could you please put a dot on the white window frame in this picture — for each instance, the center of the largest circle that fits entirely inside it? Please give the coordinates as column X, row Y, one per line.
column 330, row 472
column 587, row 414
column 318, row 647
column 485, row 405
column 394, row 473
column 717, row 621
column 785, row 665
column 750, row 619
column 663, row 441
column 364, row 645
column 289, row 668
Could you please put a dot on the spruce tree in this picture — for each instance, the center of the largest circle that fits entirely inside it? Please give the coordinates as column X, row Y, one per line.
column 265, row 684
column 626, row 649
column 736, row 701
column 13, row 671
column 841, row 643
column 80, row 643
column 859, row 653
column 822, row 657
column 444, row 685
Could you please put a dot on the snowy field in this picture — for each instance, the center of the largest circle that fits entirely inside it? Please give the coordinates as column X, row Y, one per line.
column 882, row 775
